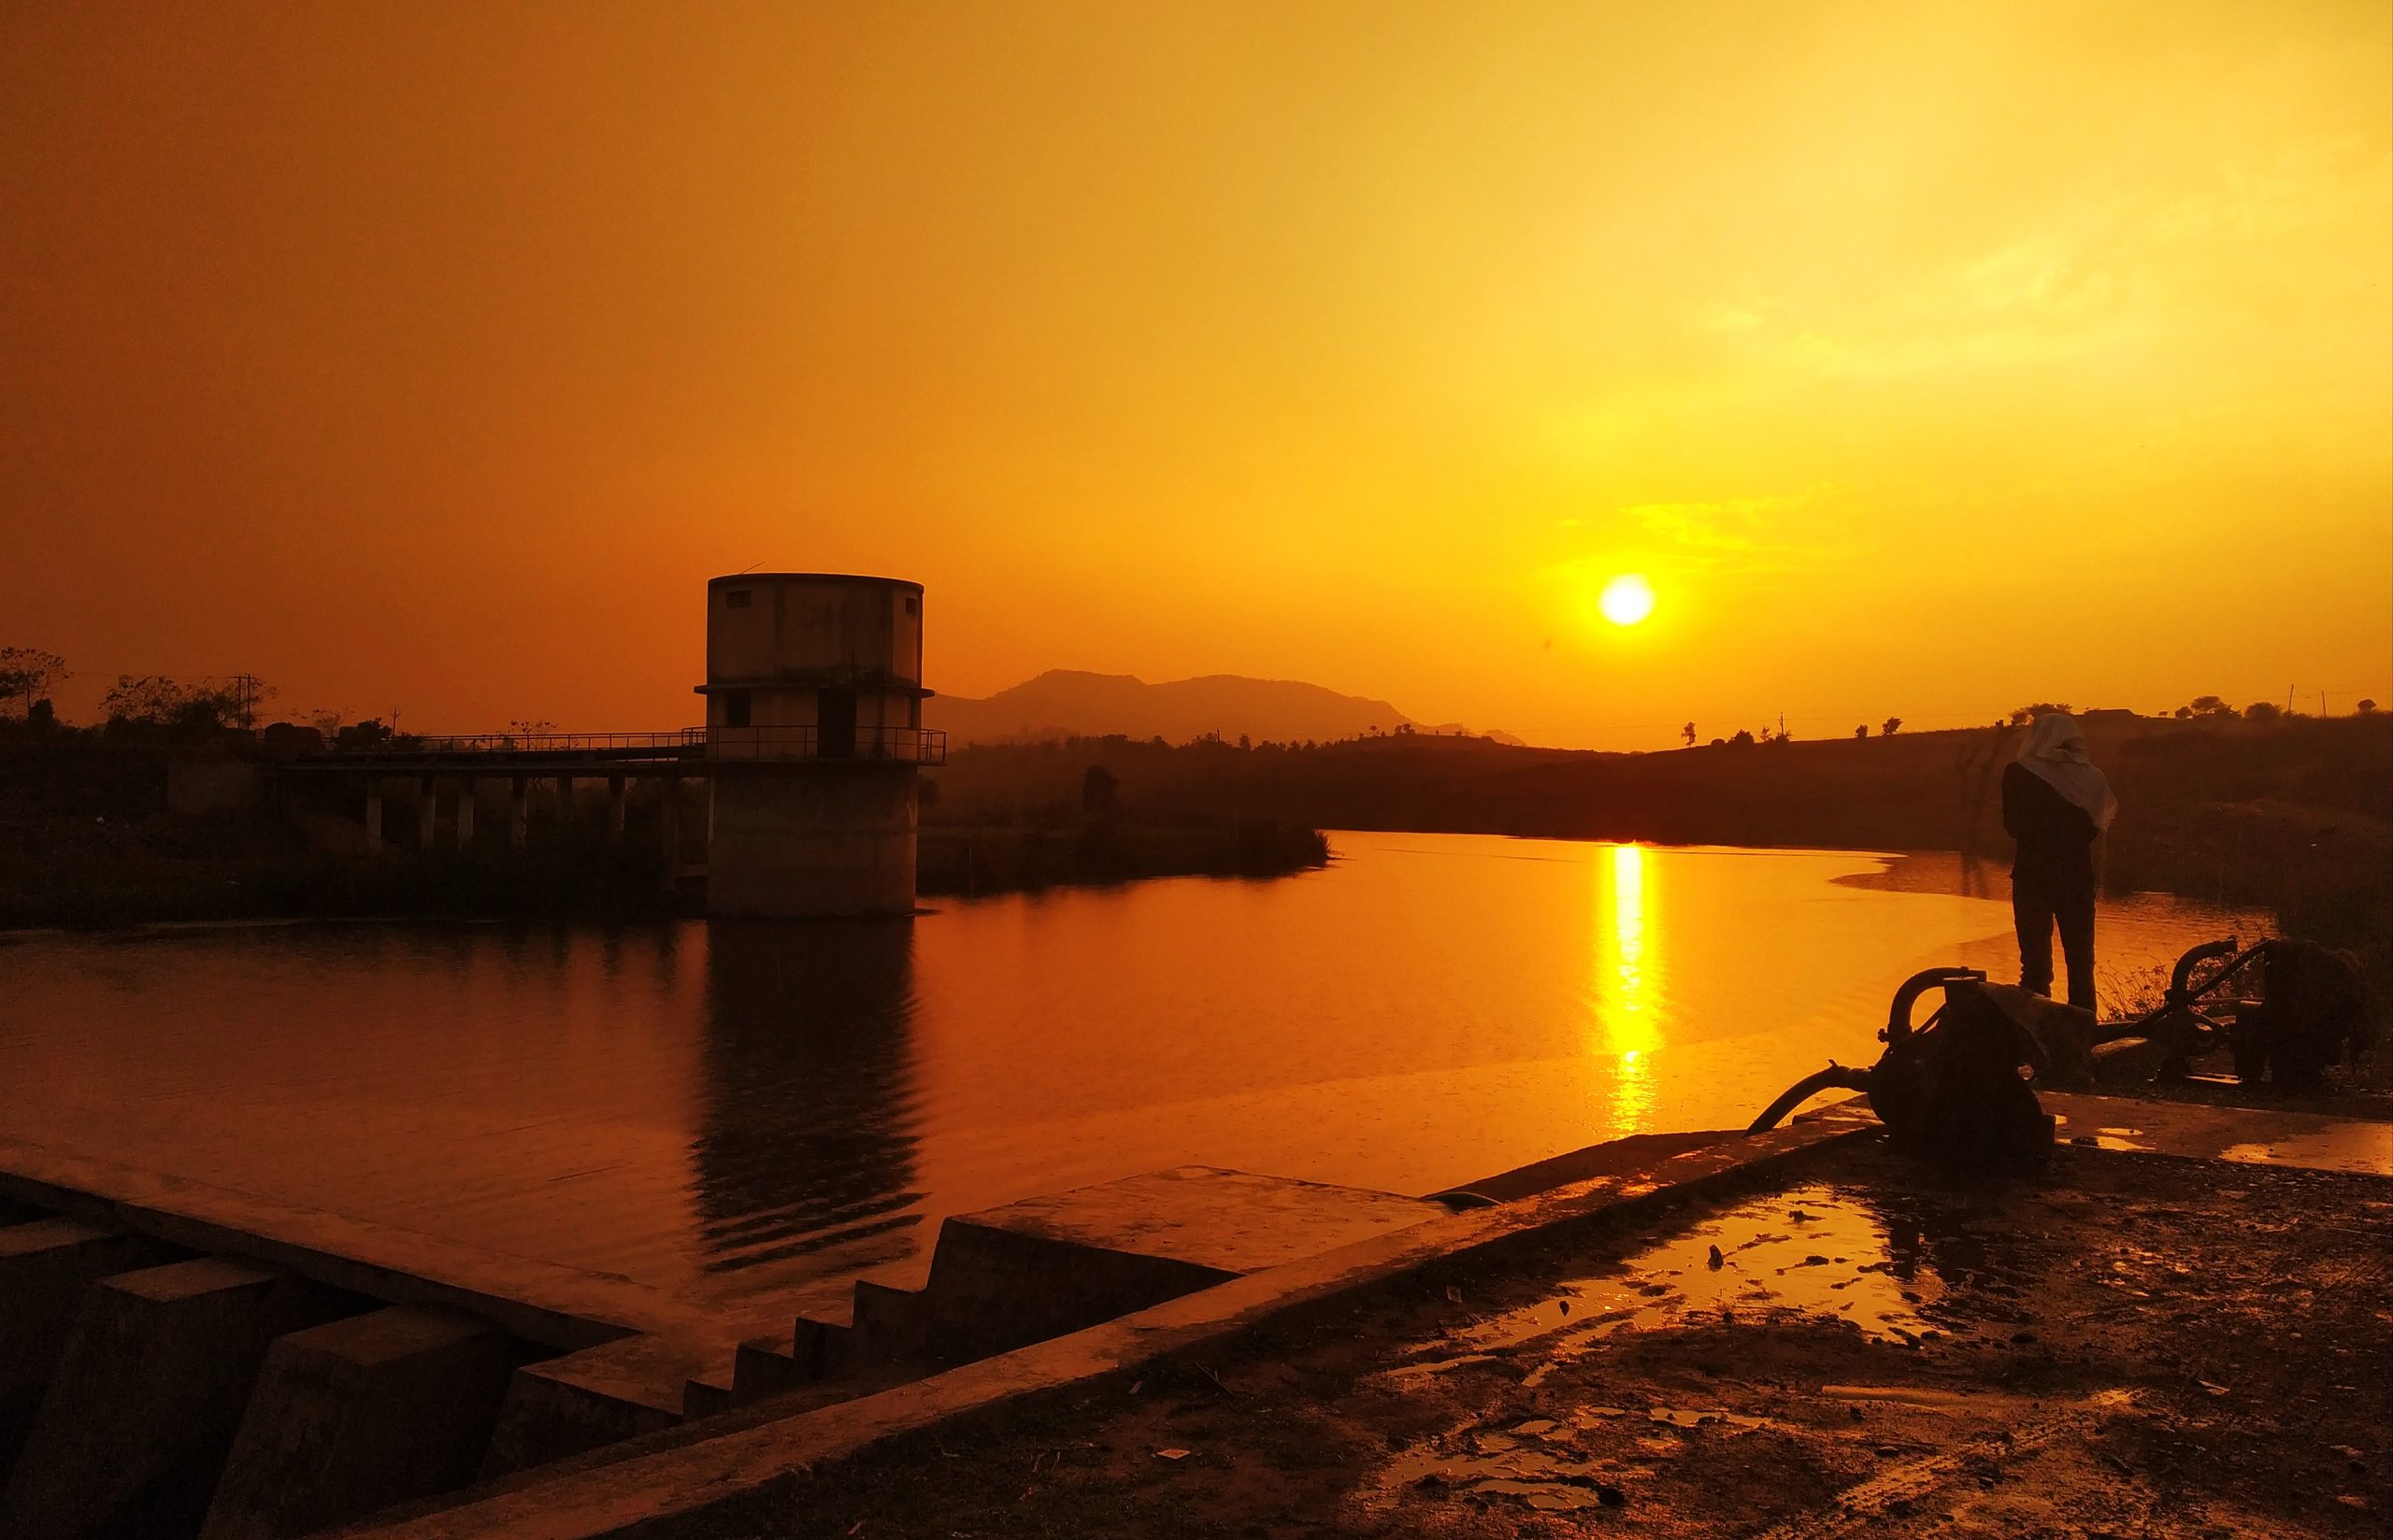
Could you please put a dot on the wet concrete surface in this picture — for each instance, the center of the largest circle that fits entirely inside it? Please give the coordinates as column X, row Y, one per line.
column 1881, row 1263
column 2249, row 1136
column 2124, row 1346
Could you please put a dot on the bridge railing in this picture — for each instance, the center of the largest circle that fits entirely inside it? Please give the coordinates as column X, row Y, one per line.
column 514, row 743
column 904, row 745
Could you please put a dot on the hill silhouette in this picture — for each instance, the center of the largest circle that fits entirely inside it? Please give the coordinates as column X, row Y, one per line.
column 1065, row 703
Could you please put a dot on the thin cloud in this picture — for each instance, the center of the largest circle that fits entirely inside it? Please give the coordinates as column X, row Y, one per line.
column 1785, row 533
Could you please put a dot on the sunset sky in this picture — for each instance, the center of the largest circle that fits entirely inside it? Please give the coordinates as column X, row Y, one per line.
column 1927, row 359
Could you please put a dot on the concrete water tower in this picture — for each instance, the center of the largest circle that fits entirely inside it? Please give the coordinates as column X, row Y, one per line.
column 814, row 730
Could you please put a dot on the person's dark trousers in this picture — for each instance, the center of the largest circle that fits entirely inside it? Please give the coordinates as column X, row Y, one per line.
column 2038, row 902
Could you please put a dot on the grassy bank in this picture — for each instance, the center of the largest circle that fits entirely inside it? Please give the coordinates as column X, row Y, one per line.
column 2293, row 816
column 1001, row 858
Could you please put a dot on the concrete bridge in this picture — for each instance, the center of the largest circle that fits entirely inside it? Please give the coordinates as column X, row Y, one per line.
column 813, row 733
column 452, row 769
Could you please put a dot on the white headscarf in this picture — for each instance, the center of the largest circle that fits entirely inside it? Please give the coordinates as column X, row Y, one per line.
column 2055, row 750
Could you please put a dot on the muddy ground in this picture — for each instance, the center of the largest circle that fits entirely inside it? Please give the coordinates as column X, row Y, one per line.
column 2127, row 1345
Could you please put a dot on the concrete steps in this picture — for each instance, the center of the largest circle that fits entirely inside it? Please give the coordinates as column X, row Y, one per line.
column 350, row 1418
column 148, row 1391
column 169, row 1379
column 45, row 1267
column 1009, row 1277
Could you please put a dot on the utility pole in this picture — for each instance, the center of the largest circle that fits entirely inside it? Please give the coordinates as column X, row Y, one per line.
column 245, row 699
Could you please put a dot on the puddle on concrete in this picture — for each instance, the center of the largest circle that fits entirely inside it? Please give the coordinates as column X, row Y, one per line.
column 2110, row 1137
column 1697, row 1417
column 2364, row 1148
column 1534, row 1462
column 1530, row 1463
column 2289, row 1138
column 1813, row 1251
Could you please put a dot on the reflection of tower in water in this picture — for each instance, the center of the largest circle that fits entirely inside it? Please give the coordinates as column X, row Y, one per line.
column 806, row 1146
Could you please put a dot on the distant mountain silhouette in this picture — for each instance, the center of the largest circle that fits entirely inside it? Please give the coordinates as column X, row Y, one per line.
column 1069, row 703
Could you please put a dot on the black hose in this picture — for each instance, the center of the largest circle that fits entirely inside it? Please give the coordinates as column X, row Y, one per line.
column 1898, row 1013
column 1833, row 1078
column 2181, row 994
column 2181, row 977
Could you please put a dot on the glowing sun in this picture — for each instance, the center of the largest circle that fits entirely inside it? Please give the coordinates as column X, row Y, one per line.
column 1626, row 600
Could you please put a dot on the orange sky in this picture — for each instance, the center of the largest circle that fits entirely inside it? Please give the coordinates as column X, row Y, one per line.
column 1927, row 359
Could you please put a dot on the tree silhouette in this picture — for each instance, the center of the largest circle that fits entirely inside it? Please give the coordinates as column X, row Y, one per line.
column 155, row 700
column 1687, row 735
column 1100, row 790
column 366, row 734
column 28, row 674
column 1894, row 725
column 1862, row 731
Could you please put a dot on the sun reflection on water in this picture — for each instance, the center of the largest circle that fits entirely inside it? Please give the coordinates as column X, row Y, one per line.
column 1627, row 1033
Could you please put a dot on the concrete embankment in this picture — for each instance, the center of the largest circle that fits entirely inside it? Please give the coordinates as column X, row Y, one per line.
column 178, row 1358
column 784, row 1467
column 183, row 1360
column 673, row 1484
column 194, row 1360
column 2125, row 1344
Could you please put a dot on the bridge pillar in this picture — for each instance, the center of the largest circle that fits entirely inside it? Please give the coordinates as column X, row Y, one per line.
column 427, row 811
column 673, row 809
column 615, row 809
column 466, row 789
column 565, row 803
column 519, row 813
column 373, row 812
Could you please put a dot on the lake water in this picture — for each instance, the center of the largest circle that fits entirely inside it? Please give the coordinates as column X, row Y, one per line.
column 751, row 1113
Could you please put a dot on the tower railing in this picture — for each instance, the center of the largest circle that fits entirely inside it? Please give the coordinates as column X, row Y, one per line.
column 900, row 745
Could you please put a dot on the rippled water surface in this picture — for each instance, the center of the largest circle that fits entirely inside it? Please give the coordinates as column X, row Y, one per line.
column 736, row 1110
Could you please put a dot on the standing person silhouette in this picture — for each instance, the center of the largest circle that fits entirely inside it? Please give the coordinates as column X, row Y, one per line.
column 2055, row 802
